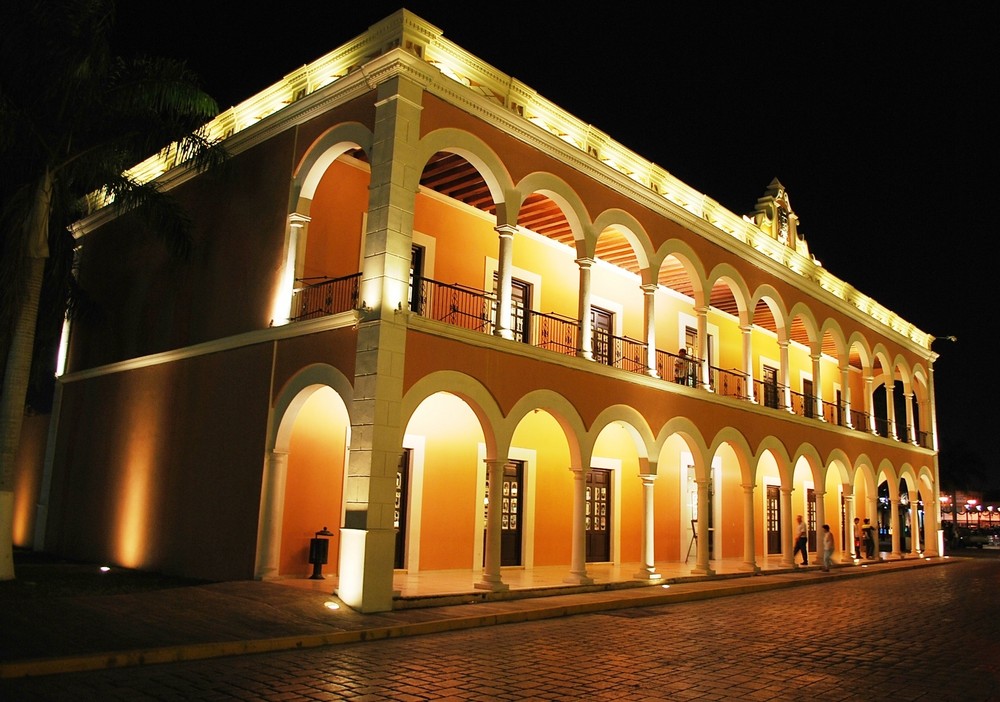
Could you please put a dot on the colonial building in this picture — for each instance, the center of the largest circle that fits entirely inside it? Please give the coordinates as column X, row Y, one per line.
column 433, row 312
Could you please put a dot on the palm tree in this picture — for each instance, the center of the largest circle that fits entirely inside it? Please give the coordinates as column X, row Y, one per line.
column 73, row 119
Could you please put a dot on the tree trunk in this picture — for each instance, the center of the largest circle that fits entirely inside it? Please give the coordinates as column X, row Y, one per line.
column 18, row 368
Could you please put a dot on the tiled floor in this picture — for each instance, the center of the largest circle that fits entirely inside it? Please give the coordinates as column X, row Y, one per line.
column 434, row 583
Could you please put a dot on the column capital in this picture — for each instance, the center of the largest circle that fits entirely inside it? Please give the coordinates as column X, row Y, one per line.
column 507, row 230
column 585, row 262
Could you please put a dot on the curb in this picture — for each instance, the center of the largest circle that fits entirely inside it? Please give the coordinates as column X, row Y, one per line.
column 535, row 609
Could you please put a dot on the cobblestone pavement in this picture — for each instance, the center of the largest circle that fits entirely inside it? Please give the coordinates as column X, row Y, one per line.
column 927, row 634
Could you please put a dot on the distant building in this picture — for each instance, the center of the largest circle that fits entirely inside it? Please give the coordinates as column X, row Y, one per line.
column 432, row 310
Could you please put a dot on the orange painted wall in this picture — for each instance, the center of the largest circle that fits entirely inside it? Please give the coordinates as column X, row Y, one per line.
column 553, row 487
column 336, row 229
column 314, row 482
column 450, row 498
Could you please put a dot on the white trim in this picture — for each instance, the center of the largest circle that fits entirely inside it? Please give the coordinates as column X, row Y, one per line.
column 228, row 343
column 415, row 501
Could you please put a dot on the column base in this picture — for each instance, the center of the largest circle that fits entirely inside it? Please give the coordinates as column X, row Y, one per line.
column 702, row 571
column 578, row 579
column 648, row 574
column 750, row 568
column 492, row 585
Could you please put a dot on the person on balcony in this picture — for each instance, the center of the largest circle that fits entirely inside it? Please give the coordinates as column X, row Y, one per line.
column 682, row 368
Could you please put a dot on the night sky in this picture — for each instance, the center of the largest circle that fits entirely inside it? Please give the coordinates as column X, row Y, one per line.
column 878, row 118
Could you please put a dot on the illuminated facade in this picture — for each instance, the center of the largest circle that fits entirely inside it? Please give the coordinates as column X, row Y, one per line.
column 439, row 315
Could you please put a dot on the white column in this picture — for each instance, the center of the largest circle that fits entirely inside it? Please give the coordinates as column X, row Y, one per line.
column 702, row 567
column 749, row 556
column 272, row 510
column 914, row 525
column 705, row 369
column 890, row 407
column 845, row 394
column 820, row 521
column 785, row 509
column 911, row 431
column 578, row 568
column 747, row 335
column 849, row 514
column 870, row 403
column 817, row 387
column 932, row 423
column 502, row 323
column 649, row 327
column 586, row 341
column 785, row 377
column 648, row 570
column 494, row 509
column 894, row 527
column 932, row 533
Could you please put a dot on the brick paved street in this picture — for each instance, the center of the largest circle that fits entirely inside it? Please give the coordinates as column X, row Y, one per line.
column 927, row 634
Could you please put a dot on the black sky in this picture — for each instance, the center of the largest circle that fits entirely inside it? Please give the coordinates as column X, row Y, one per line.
column 878, row 118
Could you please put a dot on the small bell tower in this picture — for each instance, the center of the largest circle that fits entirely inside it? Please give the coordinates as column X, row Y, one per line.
column 774, row 215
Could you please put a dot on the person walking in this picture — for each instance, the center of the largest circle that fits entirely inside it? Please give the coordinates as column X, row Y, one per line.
column 858, row 538
column 827, row 548
column 869, row 532
column 801, row 540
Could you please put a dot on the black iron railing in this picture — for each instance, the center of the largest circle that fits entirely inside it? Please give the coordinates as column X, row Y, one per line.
column 474, row 309
column 459, row 305
column 329, row 296
column 730, row 383
column 554, row 332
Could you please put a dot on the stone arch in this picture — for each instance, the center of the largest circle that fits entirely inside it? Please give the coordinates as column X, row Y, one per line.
column 472, row 149
column 479, row 399
column 326, row 149
column 629, row 227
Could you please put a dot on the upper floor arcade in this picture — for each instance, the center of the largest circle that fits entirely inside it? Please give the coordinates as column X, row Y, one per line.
column 538, row 269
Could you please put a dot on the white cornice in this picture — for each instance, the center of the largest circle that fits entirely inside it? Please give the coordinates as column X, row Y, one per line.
column 262, row 336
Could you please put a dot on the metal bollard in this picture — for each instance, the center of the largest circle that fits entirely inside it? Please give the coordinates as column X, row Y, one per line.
column 319, row 550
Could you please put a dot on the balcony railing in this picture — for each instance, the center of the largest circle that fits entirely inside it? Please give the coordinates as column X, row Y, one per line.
column 731, row 383
column 553, row 332
column 769, row 394
column 619, row 351
column 473, row 309
column 833, row 413
column 861, row 421
column 670, row 366
column 329, row 296
column 455, row 304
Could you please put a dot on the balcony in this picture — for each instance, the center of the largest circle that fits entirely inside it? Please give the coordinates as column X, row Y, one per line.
column 475, row 310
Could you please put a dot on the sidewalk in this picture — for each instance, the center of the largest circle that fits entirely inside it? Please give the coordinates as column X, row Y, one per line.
column 71, row 633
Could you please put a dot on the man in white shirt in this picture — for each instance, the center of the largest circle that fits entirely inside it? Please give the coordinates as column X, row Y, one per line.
column 801, row 540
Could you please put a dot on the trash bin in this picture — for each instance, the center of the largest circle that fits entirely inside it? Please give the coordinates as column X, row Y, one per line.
column 319, row 551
